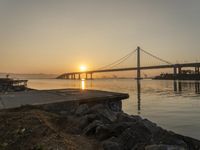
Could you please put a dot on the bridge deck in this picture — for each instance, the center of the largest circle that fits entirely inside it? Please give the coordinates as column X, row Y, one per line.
column 135, row 68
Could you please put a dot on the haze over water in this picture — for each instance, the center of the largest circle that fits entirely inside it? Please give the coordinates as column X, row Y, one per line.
column 157, row 101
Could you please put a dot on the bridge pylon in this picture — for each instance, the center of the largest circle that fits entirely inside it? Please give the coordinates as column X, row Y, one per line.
column 138, row 64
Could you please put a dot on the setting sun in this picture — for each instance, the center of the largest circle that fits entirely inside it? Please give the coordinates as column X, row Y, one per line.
column 83, row 68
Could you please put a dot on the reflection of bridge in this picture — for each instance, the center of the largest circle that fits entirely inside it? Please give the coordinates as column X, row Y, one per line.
column 177, row 68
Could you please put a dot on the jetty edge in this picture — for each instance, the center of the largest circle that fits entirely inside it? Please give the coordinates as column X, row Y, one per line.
column 92, row 120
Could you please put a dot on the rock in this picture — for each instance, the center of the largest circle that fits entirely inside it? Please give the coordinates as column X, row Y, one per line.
column 134, row 135
column 83, row 122
column 115, row 105
column 168, row 138
column 103, row 132
column 123, row 117
column 23, row 130
column 164, row 147
column 63, row 113
column 104, row 111
column 152, row 127
column 127, row 139
column 82, row 110
column 91, row 128
column 86, row 120
column 118, row 128
column 92, row 117
column 109, row 145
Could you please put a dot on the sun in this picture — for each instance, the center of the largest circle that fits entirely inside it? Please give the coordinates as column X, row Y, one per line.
column 83, row 68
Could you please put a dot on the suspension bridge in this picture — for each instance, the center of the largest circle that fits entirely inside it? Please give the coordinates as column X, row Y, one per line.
column 114, row 66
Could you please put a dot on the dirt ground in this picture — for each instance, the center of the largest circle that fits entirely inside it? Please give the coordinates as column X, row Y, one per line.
column 28, row 128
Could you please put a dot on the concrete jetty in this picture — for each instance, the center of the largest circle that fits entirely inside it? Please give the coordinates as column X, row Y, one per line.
column 59, row 97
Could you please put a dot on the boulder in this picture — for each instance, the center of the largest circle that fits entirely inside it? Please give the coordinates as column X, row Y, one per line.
column 103, row 132
column 104, row 112
column 123, row 117
column 82, row 110
column 91, row 128
column 109, row 145
column 119, row 127
column 152, row 127
column 134, row 135
column 83, row 122
column 164, row 147
column 115, row 106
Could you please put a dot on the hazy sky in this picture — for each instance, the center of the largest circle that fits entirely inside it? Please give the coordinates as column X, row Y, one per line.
column 55, row 36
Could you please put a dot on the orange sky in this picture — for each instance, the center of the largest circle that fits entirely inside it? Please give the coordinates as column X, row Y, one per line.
column 58, row 36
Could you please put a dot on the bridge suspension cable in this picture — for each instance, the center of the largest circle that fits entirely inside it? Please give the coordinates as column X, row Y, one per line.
column 160, row 59
column 119, row 61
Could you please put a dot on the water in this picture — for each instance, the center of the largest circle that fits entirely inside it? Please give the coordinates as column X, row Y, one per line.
column 172, row 105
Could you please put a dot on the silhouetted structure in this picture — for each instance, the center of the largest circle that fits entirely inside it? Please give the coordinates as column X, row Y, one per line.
column 8, row 84
column 181, row 75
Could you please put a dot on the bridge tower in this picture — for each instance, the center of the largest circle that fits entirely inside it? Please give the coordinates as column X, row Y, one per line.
column 138, row 64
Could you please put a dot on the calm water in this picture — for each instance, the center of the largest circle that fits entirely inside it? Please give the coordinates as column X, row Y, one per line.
column 172, row 105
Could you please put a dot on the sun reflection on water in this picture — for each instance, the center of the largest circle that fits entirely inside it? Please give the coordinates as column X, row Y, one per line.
column 83, row 84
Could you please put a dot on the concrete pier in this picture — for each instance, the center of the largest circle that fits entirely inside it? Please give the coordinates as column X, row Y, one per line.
column 39, row 97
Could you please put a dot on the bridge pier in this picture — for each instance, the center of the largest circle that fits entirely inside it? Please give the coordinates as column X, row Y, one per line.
column 175, row 72
column 179, row 70
column 79, row 76
column 91, row 76
column 197, row 70
column 86, row 76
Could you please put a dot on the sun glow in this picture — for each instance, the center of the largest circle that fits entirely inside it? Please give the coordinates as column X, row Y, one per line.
column 83, row 68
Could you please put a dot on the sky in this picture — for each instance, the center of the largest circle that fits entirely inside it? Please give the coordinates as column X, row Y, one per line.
column 56, row 36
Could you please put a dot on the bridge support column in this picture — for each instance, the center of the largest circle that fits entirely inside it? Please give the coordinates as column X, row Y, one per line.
column 91, row 76
column 196, row 70
column 138, row 64
column 79, row 76
column 175, row 72
column 86, row 76
column 179, row 70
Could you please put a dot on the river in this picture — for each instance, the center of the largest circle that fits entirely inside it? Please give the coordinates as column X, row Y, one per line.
column 172, row 105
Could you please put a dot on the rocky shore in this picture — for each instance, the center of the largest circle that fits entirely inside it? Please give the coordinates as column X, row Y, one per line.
column 86, row 126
